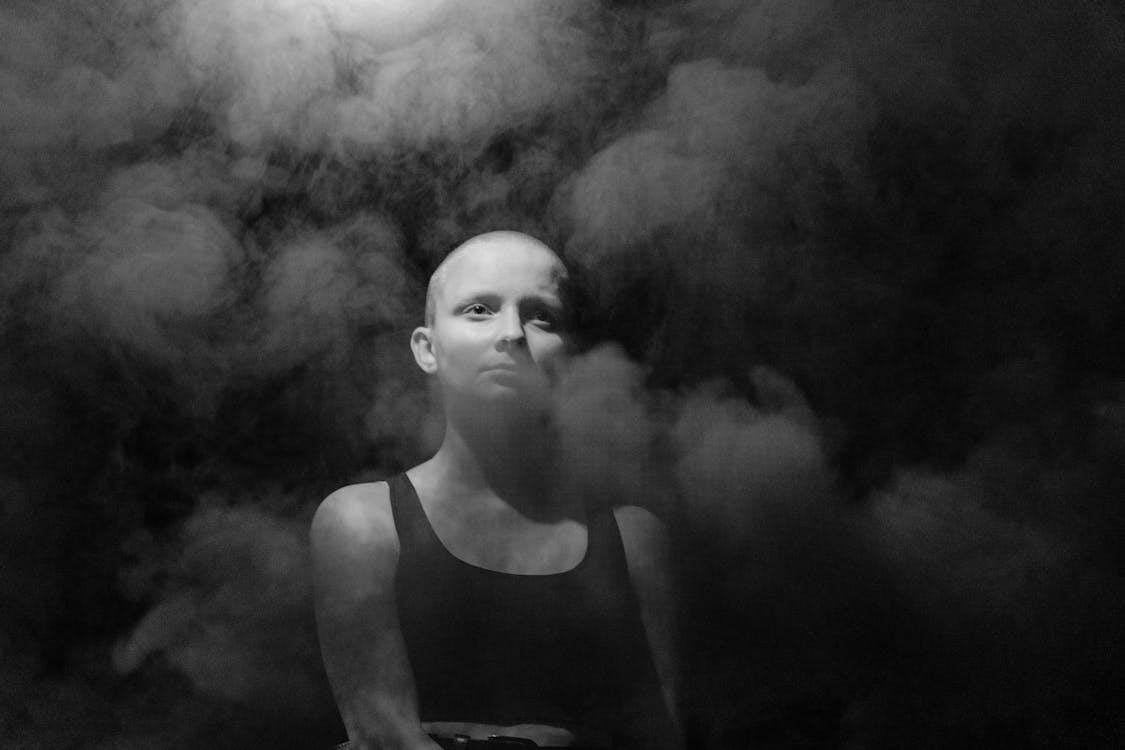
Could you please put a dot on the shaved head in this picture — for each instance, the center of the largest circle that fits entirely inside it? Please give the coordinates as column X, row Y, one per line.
column 492, row 240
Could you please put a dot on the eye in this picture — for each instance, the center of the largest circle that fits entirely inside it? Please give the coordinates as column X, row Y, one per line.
column 475, row 309
column 545, row 318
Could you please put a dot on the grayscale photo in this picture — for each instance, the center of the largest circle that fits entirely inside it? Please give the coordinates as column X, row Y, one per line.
column 588, row 374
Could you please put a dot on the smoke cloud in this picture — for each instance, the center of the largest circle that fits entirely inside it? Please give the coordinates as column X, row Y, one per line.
column 854, row 270
column 237, row 584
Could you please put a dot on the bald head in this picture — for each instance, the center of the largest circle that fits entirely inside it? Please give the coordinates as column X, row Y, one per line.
column 499, row 242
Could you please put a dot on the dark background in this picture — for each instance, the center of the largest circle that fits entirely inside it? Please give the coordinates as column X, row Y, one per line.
column 862, row 264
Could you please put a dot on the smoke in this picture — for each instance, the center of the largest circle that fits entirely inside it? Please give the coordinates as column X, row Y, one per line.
column 860, row 265
column 360, row 77
column 237, row 587
column 716, row 129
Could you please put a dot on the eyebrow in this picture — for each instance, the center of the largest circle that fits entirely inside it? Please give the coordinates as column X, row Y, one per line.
column 472, row 296
column 552, row 300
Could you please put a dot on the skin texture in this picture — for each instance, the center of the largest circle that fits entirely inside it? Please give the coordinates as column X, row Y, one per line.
column 491, row 492
column 495, row 303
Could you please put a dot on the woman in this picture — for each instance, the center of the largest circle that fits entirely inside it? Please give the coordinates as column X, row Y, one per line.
column 474, row 596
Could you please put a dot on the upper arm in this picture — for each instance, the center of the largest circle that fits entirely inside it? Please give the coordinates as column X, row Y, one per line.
column 354, row 551
column 648, row 554
column 647, row 548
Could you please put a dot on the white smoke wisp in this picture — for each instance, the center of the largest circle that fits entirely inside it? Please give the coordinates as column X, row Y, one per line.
column 144, row 269
column 956, row 557
column 154, row 275
column 608, row 438
column 714, row 149
column 238, row 599
column 941, row 573
column 348, row 78
column 319, row 289
column 362, row 77
column 151, row 277
column 141, row 283
column 752, row 478
column 334, row 305
column 77, row 79
column 736, row 455
column 988, row 603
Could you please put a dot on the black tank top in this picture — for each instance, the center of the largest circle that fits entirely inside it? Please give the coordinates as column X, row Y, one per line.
column 564, row 649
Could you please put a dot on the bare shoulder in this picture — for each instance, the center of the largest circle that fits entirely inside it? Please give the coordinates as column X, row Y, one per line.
column 644, row 536
column 354, row 521
column 640, row 524
column 648, row 558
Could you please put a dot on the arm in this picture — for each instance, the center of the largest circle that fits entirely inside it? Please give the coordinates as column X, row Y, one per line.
column 354, row 554
column 648, row 556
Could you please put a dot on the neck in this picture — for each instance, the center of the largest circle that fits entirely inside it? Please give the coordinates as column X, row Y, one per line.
column 505, row 452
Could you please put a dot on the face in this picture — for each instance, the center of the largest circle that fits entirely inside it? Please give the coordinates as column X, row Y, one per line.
column 496, row 326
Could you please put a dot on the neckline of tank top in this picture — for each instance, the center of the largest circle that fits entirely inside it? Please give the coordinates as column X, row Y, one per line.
column 429, row 529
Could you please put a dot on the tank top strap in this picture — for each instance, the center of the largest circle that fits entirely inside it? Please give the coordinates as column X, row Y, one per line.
column 604, row 549
column 411, row 524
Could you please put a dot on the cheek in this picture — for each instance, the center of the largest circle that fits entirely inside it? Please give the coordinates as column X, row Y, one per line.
column 453, row 355
column 548, row 349
column 460, row 352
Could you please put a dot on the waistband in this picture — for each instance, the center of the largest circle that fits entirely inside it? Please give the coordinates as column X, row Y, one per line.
column 496, row 742
column 500, row 742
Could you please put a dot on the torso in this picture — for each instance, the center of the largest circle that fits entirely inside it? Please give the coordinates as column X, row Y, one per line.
column 492, row 567
column 485, row 531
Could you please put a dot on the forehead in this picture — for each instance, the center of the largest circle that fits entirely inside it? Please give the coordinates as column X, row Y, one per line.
column 506, row 265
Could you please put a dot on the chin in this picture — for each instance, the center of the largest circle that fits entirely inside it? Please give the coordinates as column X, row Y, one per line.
column 523, row 397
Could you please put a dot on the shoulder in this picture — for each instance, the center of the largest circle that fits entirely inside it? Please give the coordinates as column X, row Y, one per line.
column 356, row 519
column 639, row 524
column 644, row 537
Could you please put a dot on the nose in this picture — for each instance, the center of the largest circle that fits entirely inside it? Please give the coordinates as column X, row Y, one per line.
column 511, row 328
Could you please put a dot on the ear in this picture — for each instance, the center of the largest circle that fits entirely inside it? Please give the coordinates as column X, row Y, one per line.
column 422, row 344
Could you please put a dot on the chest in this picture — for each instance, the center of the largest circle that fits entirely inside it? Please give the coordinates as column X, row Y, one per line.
column 506, row 542
column 526, row 591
